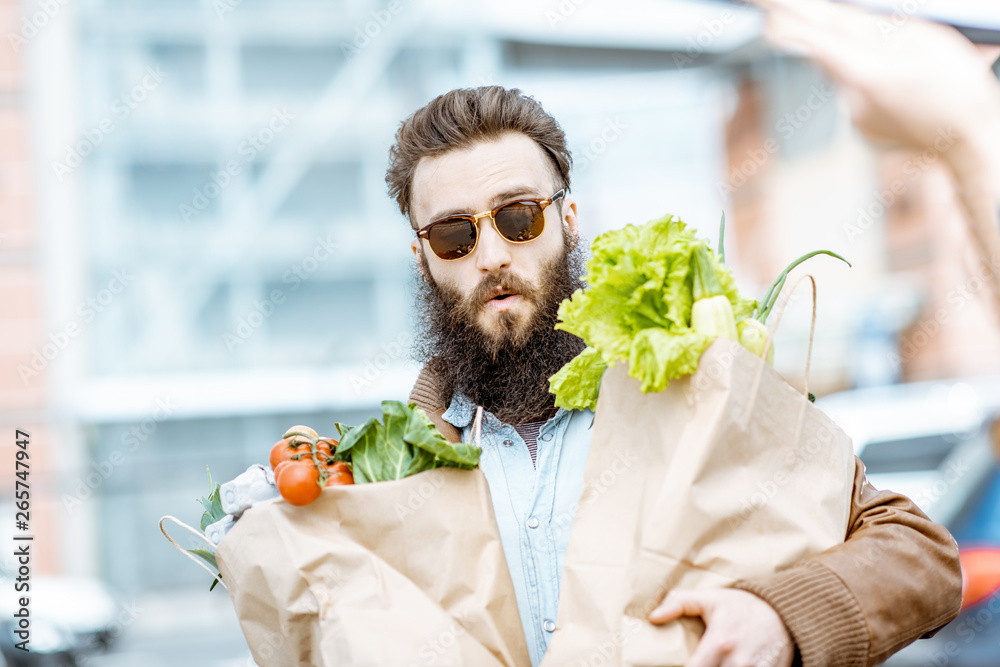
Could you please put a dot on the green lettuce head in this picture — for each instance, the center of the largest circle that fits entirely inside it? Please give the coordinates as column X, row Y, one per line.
column 637, row 308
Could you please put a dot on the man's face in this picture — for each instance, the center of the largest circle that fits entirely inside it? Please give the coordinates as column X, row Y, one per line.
column 499, row 284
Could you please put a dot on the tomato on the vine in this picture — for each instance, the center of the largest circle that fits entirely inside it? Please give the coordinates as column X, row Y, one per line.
column 283, row 451
column 298, row 482
column 326, row 446
column 340, row 473
column 297, row 473
column 279, row 467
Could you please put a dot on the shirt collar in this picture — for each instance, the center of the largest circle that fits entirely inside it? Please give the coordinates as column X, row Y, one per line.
column 462, row 411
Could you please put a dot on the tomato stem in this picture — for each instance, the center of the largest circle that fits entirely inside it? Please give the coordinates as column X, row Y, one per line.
column 324, row 474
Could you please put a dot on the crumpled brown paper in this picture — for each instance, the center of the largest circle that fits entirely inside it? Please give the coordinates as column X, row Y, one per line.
column 734, row 474
column 390, row 574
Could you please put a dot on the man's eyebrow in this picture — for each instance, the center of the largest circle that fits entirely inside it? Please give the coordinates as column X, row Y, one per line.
column 512, row 194
column 508, row 195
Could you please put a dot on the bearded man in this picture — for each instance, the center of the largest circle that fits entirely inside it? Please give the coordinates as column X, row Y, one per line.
column 483, row 176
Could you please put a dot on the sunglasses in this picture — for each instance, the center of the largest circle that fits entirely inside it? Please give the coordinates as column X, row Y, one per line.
column 517, row 221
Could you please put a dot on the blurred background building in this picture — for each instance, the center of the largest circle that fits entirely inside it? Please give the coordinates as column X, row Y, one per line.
column 197, row 251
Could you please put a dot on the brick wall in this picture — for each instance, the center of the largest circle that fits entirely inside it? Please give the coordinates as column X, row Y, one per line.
column 22, row 323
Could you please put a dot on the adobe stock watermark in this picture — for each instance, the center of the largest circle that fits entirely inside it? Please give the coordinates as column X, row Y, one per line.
column 446, row 641
column 786, row 126
column 958, row 297
column 594, row 489
column 913, row 167
column 588, row 153
column 249, row 148
column 952, row 475
column 697, row 44
column 296, row 274
column 903, row 11
column 326, row 595
column 121, row 108
column 123, row 619
column 87, row 311
column 708, row 374
column 864, row 554
column 418, row 497
column 711, row 29
column 374, row 368
column 819, row 440
column 267, row 646
column 768, row 656
column 34, row 23
column 562, row 11
column 223, row 7
column 968, row 627
column 605, row 651
column 796, row 120
column 365, row 34
column 132, row 439
column 641, row 610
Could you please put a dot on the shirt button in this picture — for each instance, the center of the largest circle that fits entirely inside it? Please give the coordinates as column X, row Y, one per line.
column 508, row 443
column 532, row 522
column 549, row 626
column 547, row 437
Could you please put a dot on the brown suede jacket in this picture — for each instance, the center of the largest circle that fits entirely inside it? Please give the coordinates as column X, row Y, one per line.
column 895, row 579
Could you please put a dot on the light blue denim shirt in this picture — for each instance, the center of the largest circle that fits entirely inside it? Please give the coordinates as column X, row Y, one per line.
column 534, row 508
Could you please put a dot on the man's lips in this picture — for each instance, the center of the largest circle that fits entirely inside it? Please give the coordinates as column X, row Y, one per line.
column 502, row 299
column 500, row 293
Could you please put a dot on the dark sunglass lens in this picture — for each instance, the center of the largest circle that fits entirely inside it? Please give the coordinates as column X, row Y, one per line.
column 452, row 239
column 521, row 221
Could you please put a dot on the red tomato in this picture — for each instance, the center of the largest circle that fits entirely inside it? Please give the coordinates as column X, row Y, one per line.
column 290, row 449
column 340, row 473
column 298, row 482
column 279, row 467
column 281, row 452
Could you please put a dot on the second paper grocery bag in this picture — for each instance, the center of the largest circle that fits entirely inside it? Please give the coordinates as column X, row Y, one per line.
column 733, row 473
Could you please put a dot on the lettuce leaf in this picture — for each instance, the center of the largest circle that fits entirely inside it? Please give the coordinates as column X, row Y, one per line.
column 576, row 383
column 637, row 308
column 423, row 435
column 404, row 443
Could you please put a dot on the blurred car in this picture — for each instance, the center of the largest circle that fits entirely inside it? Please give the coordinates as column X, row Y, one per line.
column 70, row 617
column 50, row 646
column 937, row 443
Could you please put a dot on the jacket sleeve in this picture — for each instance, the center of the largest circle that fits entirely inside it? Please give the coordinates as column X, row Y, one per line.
column 895, row 579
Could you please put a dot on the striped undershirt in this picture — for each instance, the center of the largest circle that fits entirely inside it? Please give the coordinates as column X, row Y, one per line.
column 529, row 433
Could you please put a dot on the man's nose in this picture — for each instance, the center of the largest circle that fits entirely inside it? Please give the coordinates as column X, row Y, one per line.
column 493, row 251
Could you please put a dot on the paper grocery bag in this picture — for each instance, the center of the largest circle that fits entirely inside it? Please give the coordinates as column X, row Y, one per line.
column 402, row 573
column 726, row 474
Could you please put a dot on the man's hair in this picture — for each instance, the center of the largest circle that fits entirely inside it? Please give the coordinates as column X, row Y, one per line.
column 462, row 117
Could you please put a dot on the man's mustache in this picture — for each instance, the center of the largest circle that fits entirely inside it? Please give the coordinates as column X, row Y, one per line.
column 506, row 282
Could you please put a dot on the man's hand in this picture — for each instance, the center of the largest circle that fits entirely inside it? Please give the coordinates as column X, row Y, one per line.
column 912, row 84
column 907, row 80
column 740, row 628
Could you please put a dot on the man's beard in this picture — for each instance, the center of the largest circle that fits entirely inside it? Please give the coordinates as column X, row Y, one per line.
column 506, row 371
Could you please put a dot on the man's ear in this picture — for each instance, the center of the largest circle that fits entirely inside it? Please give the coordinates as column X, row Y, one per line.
column 571, row 224
column 418, row 255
